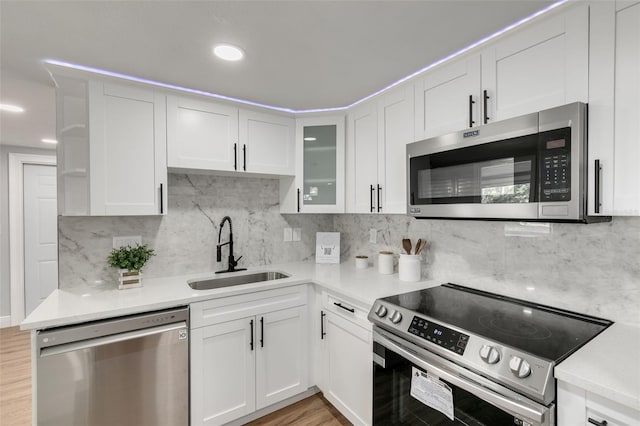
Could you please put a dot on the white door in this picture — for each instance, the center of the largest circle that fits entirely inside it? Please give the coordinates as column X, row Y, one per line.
column 395, row 120
column 447, row 98
column 40, row 234
column 202, row 135
column 128, row 150
column 348, row 376
column 542, row 66
column 222, row 372
column 267, row 143
column 281, row 364
column 362, row 158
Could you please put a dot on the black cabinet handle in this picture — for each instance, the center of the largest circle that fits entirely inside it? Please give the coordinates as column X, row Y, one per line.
column 597, row 423
column 486, row 98
column 244, row 157
column 235, row 156
column 379, row 205
column 596, row 200
column 371, row 197
column 298, row 200
column 340, row 305
column 322, row 333
column 161, row 199
column 471, row 102
column 262, row 332
column 251, row 342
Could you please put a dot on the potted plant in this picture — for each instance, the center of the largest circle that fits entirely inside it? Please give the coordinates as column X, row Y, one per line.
column 130, row 261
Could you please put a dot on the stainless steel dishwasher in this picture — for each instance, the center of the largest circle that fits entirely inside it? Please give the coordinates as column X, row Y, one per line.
column 130, row 370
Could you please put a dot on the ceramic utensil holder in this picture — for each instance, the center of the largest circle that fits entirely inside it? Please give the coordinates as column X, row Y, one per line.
column 385, row 262
column 409, row 267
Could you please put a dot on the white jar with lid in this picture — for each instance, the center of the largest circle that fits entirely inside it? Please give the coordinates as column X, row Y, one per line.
column 385, row 262
column 409, row 267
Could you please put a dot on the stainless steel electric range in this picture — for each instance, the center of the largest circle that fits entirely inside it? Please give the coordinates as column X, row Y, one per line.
column 452, row 355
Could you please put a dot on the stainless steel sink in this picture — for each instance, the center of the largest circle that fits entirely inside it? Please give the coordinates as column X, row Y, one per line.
column 211, row 283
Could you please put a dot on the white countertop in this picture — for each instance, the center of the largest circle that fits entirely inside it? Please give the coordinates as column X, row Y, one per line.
column 64, row 307
column 609, row 365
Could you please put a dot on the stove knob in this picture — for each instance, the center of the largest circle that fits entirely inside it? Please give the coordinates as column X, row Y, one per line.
column 489, row 354
column 381, row 311
column 395, row 317
column 519, row 367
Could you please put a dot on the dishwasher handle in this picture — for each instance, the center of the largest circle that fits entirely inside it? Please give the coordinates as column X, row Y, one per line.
column 115, row 338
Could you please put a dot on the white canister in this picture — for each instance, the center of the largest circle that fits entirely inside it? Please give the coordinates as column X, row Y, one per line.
column 362, row 262
column 385, row 262
column 409, row 267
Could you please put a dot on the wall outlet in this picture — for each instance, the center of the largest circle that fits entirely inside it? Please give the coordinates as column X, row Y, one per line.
column 131, row 240
column 297, row 234
column 373, row 236
column 288, row 235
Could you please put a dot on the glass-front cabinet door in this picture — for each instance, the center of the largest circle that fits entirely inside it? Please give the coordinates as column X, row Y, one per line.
column 319, row 183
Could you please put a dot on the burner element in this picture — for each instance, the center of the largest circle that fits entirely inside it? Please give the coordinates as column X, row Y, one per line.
column 515, row 327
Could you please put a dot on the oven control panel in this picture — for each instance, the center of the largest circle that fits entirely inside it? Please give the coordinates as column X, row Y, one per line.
column 442, row 336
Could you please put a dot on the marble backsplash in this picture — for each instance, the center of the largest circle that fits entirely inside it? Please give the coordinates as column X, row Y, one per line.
column 592, row 269
column 185, row 239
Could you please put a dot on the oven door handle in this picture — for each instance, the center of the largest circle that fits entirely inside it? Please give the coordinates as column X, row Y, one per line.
column 500, row 401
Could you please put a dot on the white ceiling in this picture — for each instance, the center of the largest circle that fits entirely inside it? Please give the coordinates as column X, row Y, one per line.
column 299, row 54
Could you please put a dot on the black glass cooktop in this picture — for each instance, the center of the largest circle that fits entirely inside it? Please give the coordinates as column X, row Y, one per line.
column 543, row 331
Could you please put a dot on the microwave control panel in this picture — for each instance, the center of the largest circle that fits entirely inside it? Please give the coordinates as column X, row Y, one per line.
column 556, row 172
column 442, row 336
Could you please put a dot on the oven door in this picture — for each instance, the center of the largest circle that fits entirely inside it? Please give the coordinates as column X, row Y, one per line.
column 477, row 401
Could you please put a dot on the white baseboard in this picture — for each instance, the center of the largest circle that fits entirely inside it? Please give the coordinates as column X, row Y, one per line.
column 5, row 321
column 274, row 407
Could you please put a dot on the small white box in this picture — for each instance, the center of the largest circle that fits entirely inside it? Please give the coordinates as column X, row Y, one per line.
column 327, row 247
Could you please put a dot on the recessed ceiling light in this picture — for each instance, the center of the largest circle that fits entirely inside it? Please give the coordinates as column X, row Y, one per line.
column 11, row 108
column 310, row 139
column 228, row 52
column 46, row 140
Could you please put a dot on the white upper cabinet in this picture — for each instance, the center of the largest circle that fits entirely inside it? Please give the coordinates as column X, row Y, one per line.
column 204, row 135
column 542, row 65
column 614, row 90
column 395, row 131
column 113, row 155
column 377, row 133
column 267, row 143
column 201, row 135
column 362, row 158
column 319, row 183
column 539, row 66
column 448, row 98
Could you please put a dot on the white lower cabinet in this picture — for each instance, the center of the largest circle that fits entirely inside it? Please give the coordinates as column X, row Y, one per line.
column 222, row 373
column 247, row 352
column 347, row 372
column 577, row 406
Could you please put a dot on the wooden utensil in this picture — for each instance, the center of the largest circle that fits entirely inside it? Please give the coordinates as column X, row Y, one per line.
column 406, row 245
column 418, row 245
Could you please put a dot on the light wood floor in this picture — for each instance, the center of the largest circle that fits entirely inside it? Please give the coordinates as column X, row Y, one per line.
column 15, row 391
column 15, row 377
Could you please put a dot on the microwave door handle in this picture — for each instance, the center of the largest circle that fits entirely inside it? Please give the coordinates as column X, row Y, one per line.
column 476, row 389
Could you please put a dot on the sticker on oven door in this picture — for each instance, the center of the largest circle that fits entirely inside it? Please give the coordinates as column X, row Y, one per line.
column 431, row 391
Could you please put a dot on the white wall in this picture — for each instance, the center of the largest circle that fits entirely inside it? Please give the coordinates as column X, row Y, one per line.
column 5, row 283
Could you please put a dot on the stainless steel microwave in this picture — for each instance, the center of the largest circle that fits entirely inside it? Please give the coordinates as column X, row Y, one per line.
column 529, row 168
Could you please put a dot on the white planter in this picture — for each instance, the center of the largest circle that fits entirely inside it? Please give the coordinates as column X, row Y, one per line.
column 129, row 279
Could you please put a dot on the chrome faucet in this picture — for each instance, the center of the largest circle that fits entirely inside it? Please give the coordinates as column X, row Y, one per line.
column 232, row 262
